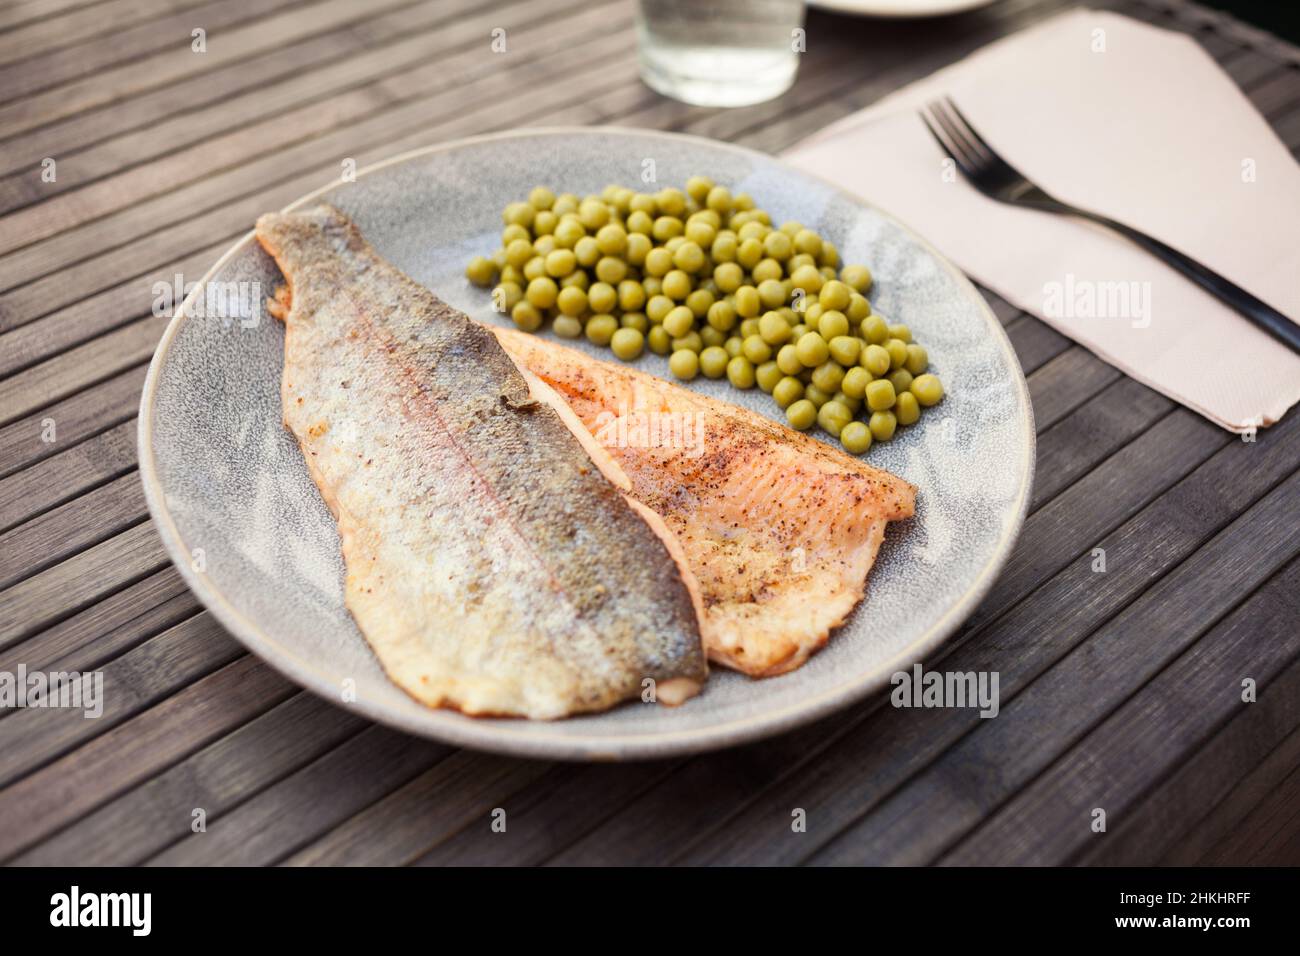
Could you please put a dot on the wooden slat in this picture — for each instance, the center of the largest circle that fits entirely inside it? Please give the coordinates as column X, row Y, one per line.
column 305, row 804
column 71, row 786
column 22, row 12
column 71, row 584
column 1234, row 771
column 66, row 475
column 138, row 679
column 145, row 820
column 940, row 804
column 1036, row 343
column 177, row 61
column 1146, row 738
column 112, row 625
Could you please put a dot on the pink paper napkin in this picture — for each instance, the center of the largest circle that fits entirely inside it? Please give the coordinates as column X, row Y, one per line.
column 1134, row 122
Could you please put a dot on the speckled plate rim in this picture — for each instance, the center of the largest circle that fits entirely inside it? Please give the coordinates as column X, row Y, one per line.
column 500, row 736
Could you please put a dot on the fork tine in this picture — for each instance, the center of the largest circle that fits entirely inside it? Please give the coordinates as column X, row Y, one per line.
column 978, row 158
column 971, row 132
column 958, row 155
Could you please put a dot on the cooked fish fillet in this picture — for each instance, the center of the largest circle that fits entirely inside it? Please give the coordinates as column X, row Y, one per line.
column 494, row 563
column 780, row 529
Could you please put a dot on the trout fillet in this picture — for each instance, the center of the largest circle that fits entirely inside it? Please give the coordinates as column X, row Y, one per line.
column 779, row 529
column 494, row 562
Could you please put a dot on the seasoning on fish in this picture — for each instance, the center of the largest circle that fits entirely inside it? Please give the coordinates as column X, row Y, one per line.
column 494, row 563
column 779, row 529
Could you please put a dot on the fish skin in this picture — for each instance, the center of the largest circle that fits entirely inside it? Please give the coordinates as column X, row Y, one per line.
column 493, row 564
column 779, row 529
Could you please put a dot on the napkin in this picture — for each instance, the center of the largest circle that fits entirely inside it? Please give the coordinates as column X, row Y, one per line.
column 1136, row 123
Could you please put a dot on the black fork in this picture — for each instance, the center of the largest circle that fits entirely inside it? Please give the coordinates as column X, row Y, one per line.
column 996, row 178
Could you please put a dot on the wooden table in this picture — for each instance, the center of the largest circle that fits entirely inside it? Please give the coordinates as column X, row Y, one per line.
column 1120, row 690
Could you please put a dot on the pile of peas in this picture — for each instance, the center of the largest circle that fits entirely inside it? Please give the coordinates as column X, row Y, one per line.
column 702, row 276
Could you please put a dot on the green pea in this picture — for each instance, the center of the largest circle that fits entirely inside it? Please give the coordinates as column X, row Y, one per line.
column 918, row 360
column 711, row 336
column 541, row 198
column 571, row 301
column 699, row 302
column 835, row 295
column 875, row 359
column 658, row 341
column 859, row 308
column 828, row 376
column 845, row 349
column 518, row 213
column 677, row 285
column 855, row 437
column 724, row 248
column 481, row 271
column 812, row 350
column 798, row 331
column 587, row 251
column 768, row 270
column 601, row 328
column 666, row 228
column 771, row 292
column 816, row 395
column 832, row 324
column 787, row 359
column 697, row 187
column 808, row 279
column 748, row 327
column 689, row 257
column 729, row 276
column 856, row 277
column 901, row 379
column 734, row 346
column 713, row 362
column 880, row 395
column 653, row 286
column 787, row 391
column 897, row 350
column 740, row 372
column 684, row 364
column 638, row 247
column 643, row 202
column 631, row 296
column 749, row 253
column 691, row 341
column 778, row 246
column 832, row 417
column 752, row 230
column 855, row 382
column 756, row 350
column 672, row 202
column 742, row 201
column 901, row 332
column 560, row 263
column 635, row 320
column 748, row 302
column 542, row 292
column 640, row 223
column 774, row 329
column 602, row 297
column 767, row 375
column 679, row 321
column 802, row 414
column 873, row 330
column 830, row 256
column 527, row 316
column 722, row 316
column 627, row 344
column 719, row 199
column 700, row 232
column 567, row 327
column 658, row 262
column 658, row 308
column 568, row 233
column 808, row 242
column 545, row 245
column 852, row 404
column 611, row 270
column 612, row 239
column 882, row 425
column 518, row 252
column 927, row 389
column 906, row 409
column 593, row 214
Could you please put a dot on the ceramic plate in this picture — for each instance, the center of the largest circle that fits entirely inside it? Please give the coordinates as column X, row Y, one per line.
column 899, row 9
column 231, row 497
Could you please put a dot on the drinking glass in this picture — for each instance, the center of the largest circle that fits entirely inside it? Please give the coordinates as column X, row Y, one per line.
column 720, row 52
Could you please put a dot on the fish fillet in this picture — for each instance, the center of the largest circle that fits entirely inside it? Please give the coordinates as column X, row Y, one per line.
column 779, row 529
column 494, row 562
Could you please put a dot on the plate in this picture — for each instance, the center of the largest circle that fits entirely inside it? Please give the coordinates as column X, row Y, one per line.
column 232, row 500
column 899, row 9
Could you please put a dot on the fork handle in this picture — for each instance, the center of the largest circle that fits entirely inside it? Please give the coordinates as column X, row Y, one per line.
column 1256, row 310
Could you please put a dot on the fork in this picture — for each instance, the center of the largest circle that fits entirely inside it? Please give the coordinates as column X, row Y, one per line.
column 996, row 178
